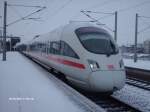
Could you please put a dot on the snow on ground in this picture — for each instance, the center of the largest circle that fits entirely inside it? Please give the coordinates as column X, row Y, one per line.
column 139, row 55
column 24, row 87
column 141, row 64
column 134, row 96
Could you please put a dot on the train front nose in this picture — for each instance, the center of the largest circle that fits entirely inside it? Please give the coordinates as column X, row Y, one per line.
column 106, row 81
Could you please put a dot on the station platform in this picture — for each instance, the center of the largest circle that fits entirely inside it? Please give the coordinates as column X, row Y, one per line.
column 26, row 87
column 139, row 70
column 140, row 64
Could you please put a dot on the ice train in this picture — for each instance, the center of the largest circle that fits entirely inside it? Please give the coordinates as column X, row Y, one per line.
column 86, row 54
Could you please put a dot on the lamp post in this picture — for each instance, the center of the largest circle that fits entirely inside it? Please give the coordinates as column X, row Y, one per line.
column 136, row 34
column 4, row 31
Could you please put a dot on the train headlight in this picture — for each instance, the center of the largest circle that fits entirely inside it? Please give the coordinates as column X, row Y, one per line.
column 93, row 65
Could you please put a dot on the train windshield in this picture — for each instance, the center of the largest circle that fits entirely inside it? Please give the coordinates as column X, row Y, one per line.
column 97, row 42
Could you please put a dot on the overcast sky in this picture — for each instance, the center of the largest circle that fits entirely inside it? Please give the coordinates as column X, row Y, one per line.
column 60, row 12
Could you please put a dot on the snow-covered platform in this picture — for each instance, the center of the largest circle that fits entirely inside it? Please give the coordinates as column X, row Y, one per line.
column 26, row 87
column 140, row 64
column 140, row 69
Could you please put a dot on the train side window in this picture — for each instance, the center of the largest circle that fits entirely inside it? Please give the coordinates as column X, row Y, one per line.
column 66, row 50
column 43, row 49
column 55, row 47
column 40, row 46
column 49, row 47
column 33, row 47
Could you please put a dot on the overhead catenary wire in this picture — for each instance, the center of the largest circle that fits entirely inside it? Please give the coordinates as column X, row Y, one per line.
column 144, row 22
column 98, row 12
column 12, row 6
column 144, row 29
column 144, row 17
column 100, row 5
column 34, row 19
column 79, row 21
column 106, row 14
column 17, row 5
column 25, row 16
column 16, row 11
column 46, row 4
column 124, row 9
column 95, row 20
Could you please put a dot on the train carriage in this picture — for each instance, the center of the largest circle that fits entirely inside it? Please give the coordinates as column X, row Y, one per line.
column 85, row 53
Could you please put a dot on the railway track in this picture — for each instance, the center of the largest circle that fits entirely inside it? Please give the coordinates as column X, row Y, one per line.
column 109, row 103
column 138, row 83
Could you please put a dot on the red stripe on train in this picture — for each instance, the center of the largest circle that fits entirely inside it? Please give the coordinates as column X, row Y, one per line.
column 66, row 62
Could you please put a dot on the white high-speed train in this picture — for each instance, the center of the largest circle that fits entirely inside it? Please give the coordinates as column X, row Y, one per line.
column 87, row 55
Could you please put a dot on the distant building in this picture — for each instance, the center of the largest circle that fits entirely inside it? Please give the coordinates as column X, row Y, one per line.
column 147, row 46
column 10, row 42
column 127, row 48
column 130, row 48
column 140, row 48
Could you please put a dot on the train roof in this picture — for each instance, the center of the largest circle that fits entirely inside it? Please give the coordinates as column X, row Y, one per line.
column 71, row 27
